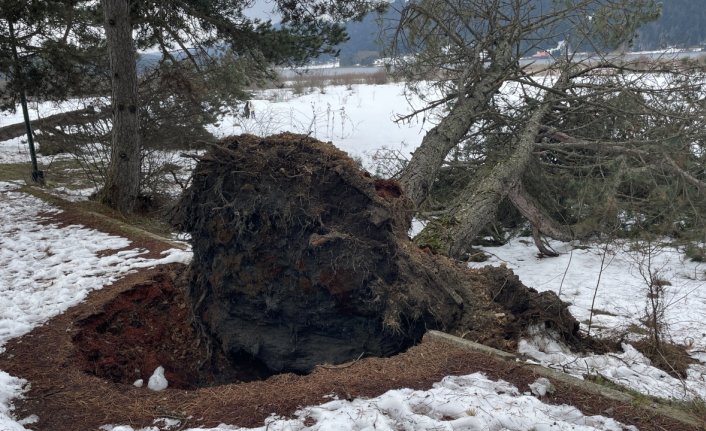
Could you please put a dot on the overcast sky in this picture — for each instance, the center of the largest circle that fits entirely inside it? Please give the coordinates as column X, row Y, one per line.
column 262, row 9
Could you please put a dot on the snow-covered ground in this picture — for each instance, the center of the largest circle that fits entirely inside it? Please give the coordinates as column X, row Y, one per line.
column 16, row 150
column 45, row 269
column 471, row 403
column 359, row 119
column 612, row 273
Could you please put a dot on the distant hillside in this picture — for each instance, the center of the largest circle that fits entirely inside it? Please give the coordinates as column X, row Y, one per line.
column 682, row 24
column 364, row 45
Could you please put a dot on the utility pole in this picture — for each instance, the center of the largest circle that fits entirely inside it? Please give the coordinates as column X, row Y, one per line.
column 37, row 175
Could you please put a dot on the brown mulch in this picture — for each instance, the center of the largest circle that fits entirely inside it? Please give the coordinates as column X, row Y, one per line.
column 66, row 393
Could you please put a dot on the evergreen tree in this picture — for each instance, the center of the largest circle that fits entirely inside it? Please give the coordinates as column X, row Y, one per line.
column 200, row 29
column 43, row 50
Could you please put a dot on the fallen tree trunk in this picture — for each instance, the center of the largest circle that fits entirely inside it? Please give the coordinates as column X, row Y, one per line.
column 479, row 203
column 72, row 118
column 423, row 168
column 528, row 206
column 301, row 259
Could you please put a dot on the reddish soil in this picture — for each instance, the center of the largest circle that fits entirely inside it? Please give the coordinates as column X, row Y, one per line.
column 139, row 330
column 81, row 365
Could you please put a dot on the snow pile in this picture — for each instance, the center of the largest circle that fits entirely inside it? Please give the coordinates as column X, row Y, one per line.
column 541, row 387
column 157, row 381
column 471, row 402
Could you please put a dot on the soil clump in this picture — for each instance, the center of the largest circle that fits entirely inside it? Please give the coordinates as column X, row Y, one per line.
column 301, row 258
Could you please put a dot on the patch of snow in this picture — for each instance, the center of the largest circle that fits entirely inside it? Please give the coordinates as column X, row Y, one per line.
column 157, row 381
column 629, row 368
column 29, row 420
column 620, row 299
column 416, row 228
column 10, row 388
column 541, row 387
column 167, row 423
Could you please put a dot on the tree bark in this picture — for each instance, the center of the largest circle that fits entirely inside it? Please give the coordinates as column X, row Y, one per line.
column 537, row 216
column 37, row 175
column 479, row 203
column 123, row 177
column 420, row 173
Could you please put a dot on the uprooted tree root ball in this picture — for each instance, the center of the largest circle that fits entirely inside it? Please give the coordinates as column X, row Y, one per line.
column 301, row 258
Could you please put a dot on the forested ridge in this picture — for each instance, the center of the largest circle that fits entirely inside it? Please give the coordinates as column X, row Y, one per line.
column 682, row 24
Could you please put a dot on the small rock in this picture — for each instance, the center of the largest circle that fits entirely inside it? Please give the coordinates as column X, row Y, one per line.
column 138, row 383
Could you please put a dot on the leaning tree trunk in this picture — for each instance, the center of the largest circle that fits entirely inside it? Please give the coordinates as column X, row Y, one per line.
column 422, row 170
column 479, row 202
column 533, row 211
column 123, row 177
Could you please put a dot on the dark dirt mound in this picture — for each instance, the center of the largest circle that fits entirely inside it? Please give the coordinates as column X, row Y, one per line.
column 301, row 258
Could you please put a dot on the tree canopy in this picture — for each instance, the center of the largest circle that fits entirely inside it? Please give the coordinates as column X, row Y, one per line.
column 573, row 145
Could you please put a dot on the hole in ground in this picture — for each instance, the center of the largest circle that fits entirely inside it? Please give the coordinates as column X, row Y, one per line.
column 148, row 326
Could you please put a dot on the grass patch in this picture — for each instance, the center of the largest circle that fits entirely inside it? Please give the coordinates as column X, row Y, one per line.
column 301, row 84
column 696, row 253
column 67, row 173
column 58, row 173
column 639, row 399
column 671, row 358
column 637, row 329
column 16, row 172
column 696, row 407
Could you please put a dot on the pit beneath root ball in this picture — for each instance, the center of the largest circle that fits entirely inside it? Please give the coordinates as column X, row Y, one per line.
column 149, row 325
